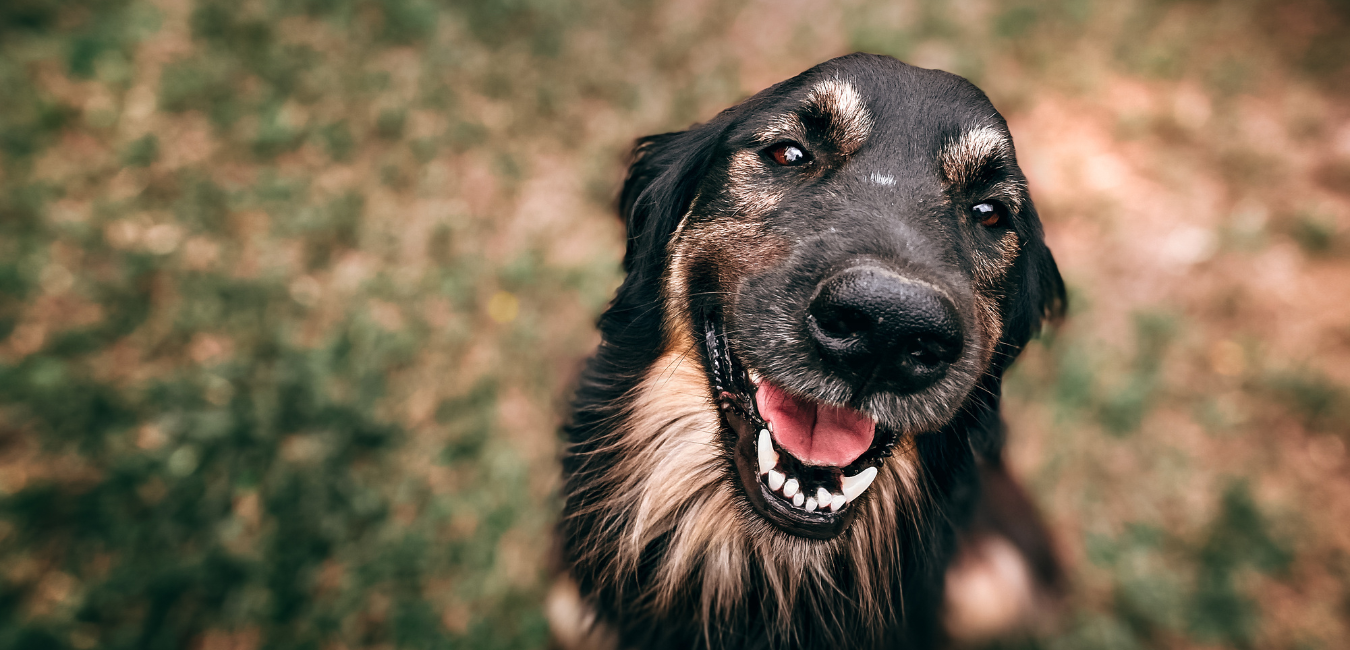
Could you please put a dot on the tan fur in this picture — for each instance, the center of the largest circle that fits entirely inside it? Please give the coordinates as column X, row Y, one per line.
column 673, row 424
column 572, row 621
column 783, row 127
column 990, row 590
column 990, row 271
column 675, row 288
column 989, row 275
column 753, row 194
column 736, row 245
column 850, row 121
column 962, row 159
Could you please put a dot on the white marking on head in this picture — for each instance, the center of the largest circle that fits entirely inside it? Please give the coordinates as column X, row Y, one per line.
column 882, row 179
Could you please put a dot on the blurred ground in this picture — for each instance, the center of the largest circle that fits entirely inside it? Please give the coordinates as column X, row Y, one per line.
column 291, row 292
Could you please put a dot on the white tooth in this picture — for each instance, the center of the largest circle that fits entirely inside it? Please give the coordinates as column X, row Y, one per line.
column 837, row 502
column 799, row 499
column 754, row 377
column 768, row 458
column 811, row 504
column 776, row 479
column 854, row 485
column 790, row 488
column 823, row 497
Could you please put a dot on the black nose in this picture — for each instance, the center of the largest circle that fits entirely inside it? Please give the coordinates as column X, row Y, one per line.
column 872, row 325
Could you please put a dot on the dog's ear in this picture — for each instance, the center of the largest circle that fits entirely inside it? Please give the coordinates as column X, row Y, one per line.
column 1048, row 298
column 1041, row 299
column 1042, row 295
column 662, row 181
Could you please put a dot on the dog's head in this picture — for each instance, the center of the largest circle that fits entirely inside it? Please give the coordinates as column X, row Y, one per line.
column 851, row 255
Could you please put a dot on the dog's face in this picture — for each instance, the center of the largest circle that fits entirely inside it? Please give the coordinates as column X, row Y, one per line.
column 851, row 254
column 824, row 286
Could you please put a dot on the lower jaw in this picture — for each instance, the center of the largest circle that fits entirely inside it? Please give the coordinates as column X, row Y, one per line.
column 734, row 394
column 812, row 525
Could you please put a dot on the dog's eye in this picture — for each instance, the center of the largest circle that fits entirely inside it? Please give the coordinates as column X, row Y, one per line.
column 788, row 154
column 989, row 213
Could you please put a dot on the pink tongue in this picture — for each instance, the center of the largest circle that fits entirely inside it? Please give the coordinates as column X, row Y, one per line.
column 817, row 434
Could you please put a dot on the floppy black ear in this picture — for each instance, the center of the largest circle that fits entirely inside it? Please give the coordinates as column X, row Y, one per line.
column 1047, row 297
column 662, row 181
column 1041, row 295
column 1041, row 298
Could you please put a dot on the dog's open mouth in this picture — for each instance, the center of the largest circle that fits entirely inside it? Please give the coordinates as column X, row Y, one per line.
column 803, row 463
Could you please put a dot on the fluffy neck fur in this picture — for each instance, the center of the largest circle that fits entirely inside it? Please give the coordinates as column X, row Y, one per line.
column 665, row 549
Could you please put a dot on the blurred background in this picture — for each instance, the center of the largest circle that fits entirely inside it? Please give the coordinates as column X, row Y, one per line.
column 292, row 293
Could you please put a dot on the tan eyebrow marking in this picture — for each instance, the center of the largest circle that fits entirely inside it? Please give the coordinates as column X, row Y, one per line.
column 839, row 102
column 783, row 127
column 962, row 158
column 961, row 161
column 850, row 121
column 753, row 196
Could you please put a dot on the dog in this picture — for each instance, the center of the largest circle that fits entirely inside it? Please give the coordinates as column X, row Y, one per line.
column 791, row 425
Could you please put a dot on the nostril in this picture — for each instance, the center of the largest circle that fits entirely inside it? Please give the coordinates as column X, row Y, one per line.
column 931, row 352
column 925, row 355
column 870, row 324
column 841, row 322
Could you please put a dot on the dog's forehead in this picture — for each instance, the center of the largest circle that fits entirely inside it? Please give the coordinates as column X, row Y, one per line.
column 896, row 111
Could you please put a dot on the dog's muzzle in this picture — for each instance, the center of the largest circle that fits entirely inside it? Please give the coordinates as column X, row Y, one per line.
column 804, row 462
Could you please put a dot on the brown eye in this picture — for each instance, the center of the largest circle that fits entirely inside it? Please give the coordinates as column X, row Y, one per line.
column 989, row 213
column 788, row 154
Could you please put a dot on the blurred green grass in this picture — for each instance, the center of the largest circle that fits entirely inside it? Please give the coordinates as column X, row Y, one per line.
column 291, row 292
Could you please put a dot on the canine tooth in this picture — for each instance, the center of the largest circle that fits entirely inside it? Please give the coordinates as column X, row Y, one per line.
column 776, row 479
column 823, row 497
column 799, row 499
column 790, row 488
column 811, row 504
column 854, row 485
column 837, row 502
column 768, row 458
column 754, row 377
